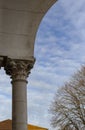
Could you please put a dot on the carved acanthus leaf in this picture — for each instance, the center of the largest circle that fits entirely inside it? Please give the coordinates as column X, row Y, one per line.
column 18, row 69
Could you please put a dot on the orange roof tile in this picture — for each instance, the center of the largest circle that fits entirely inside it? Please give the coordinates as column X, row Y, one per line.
column 7, row 125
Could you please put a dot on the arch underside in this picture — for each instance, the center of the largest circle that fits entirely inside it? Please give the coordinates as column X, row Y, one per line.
column 19, row 21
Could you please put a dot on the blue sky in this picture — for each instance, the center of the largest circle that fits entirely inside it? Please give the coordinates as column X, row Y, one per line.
column 59, row 52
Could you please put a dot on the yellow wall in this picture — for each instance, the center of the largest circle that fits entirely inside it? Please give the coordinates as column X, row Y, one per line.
column 31, row 127
column 7, row 125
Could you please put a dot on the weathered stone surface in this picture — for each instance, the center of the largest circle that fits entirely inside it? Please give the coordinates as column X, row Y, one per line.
column 19, row 21
column 19, row 71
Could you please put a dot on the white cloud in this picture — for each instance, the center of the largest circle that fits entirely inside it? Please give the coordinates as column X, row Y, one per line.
column 59, row 51
column 5, row 107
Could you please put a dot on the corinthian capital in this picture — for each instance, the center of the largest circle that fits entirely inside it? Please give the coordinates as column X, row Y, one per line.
column 18, row 69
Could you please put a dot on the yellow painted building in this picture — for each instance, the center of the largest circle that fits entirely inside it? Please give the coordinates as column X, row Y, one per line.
column 7, row 125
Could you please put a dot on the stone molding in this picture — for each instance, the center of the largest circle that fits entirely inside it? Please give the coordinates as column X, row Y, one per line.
column 18, row 69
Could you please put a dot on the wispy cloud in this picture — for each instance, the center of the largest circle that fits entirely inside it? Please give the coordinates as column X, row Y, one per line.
column 59, row 52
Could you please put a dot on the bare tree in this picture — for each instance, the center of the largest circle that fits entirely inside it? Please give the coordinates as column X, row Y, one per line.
column 68, row 107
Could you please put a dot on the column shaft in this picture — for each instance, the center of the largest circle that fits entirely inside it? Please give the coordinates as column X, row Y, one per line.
column 19, row 71
column 19, row 105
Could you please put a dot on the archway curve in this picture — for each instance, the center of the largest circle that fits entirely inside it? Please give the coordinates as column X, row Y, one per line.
column 18, row 24
column 37, row 70
column 17, row 28
column 57, row 56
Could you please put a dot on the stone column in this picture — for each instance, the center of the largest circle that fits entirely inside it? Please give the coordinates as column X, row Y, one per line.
column 19, row 71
